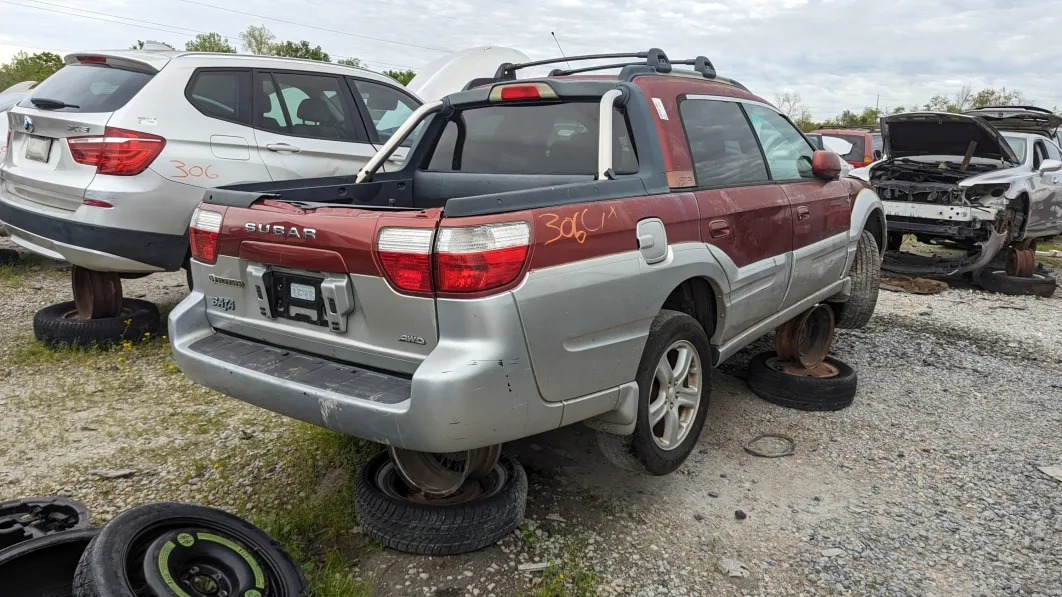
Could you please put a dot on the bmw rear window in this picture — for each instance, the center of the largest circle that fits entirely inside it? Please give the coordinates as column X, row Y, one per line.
column 90, row 87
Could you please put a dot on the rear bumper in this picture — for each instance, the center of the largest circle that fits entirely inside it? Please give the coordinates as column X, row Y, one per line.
column 101, row 248
column 476, row 388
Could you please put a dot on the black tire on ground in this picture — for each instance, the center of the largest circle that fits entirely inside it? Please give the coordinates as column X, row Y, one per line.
column 25, row 519
column 802, row 393
column 8, row 256
column 57, row 325
column 1040, row 284
column 895, row 241
column 866, row 283
column 438, row 529
column 45, row 566
column 115, row 561
column 639, row 451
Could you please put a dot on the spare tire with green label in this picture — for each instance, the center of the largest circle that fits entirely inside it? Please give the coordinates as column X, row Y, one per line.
column 183, row 550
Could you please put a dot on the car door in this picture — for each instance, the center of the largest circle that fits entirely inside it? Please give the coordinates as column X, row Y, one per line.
column 307, row 125
column 745, row 217
column 385, row 108
column 1045, row 200
column 822, row 210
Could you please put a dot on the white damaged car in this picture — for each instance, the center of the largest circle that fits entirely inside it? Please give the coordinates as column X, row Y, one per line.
column 990, row 189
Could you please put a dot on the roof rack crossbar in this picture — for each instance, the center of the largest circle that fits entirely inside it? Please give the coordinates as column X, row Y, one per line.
column 653, row 61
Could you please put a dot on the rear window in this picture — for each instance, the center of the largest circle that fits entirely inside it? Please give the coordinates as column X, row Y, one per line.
column 92, row 88
column 531, row 139
column 859, row 147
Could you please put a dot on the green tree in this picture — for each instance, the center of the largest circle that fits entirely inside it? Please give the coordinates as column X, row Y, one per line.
column 257, row 39
column 210, row 42
column 941, row 103
column 301, row 49
column 402, row 76
column 356, row 63
column 29, row 67
column 997, row 97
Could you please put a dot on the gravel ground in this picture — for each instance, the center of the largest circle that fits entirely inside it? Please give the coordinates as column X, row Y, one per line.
column 928, row 485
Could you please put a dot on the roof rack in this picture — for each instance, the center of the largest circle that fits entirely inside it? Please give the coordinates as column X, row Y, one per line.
column 653, row 61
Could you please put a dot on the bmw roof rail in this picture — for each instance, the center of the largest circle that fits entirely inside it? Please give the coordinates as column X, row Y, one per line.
column 653, row 61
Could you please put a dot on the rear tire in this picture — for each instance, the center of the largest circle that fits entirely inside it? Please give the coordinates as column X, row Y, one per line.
column 1039, row 284
column 802, row 393
column 438, row 529
column 643, row 451
column 866, row 283
column 58, row 325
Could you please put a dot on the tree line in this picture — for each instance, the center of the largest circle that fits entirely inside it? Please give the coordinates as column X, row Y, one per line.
column 256, row 39
column 963, row 100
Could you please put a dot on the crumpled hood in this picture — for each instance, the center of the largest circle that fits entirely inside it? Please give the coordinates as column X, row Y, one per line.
column 917, row 134
column 1020, row 119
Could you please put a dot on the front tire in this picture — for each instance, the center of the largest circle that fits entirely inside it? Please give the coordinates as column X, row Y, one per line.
column 866, row 283
column 674, row 383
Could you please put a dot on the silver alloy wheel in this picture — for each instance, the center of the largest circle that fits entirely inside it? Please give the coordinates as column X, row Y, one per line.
column 675, row 396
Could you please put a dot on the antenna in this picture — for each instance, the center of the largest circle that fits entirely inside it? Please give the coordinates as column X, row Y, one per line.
column 561, row 49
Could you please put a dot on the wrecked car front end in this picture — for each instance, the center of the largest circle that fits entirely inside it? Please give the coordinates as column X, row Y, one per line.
column 948, row 178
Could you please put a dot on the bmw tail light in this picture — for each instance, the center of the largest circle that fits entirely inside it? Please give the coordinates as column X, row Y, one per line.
column 203, row 234
column 118, row 152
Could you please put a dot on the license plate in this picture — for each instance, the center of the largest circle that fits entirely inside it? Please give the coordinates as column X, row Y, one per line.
column 303, row 292
column 38, row 148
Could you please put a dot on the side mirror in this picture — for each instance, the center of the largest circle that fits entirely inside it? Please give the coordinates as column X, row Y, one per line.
column 877, row 154
column 826, row 165
column 1048, row 166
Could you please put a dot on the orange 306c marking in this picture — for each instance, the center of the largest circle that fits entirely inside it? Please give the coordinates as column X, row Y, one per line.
column 578, row 224
column 192, row 172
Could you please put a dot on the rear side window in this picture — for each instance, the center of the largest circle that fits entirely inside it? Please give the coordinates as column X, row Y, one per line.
column 531, row 139
column 225, row 95
column 388, row 109
column 92, row 88
column 722, row 145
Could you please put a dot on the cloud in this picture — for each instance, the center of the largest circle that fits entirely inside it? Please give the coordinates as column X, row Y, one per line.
column 837, row 54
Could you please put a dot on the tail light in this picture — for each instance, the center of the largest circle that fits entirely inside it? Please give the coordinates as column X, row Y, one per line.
column 118, row 152
column 203, row 234
column 467, row 259
column 480, row 258
column 867, row 160
column 405, row 254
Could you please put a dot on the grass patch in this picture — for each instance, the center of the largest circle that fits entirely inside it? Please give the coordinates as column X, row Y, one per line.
column 29, row 352
column 316, row 526
column 11, row 274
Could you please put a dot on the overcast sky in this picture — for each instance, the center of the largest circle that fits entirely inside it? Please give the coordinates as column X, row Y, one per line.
column 836, row 54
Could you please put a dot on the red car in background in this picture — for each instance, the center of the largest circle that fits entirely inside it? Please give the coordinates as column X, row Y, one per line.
column 865, row 144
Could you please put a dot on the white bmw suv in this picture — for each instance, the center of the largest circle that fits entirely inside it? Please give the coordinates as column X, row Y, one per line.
column 107, row 158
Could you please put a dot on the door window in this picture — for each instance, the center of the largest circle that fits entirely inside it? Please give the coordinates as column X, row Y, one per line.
column 788, row 153
column 224, row 95
column 722, row 145
column 388, row 109
column 310, row 106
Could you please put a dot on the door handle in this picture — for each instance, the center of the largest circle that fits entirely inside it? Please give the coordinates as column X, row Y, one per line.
column 803, row 213
column 646, row 241
column 278, row 147
column 719, row 228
